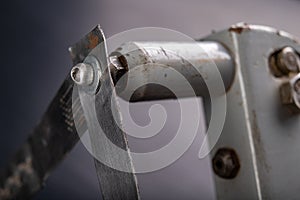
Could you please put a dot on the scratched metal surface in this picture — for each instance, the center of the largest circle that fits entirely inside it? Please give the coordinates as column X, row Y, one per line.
column 263, row 133
column 114, row 184
column 44, row 30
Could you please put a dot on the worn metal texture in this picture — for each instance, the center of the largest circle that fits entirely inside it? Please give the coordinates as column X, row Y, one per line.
column 156, row 62
column 114, row 184
column 263, row 133
column 97, row 110
column 84, row 47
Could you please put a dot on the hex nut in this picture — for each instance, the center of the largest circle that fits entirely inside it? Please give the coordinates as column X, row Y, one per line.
column 226, row 163
column 290, row 94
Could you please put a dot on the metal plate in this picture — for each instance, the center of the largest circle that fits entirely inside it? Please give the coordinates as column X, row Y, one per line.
column 265, row 137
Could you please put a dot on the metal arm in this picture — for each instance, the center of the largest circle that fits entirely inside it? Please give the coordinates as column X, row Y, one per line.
column 260, row 137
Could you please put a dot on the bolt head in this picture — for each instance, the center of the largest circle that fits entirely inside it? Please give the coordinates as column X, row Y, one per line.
column 82, row 74
column 288, row 60
column 226, row 163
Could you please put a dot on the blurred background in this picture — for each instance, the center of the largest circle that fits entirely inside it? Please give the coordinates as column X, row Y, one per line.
column 35, row 36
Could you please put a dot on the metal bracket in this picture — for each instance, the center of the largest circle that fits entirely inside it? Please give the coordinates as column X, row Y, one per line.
column 259, row 141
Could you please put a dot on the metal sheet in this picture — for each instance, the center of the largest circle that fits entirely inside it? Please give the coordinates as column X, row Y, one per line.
column 114, row 184
column 265, row 137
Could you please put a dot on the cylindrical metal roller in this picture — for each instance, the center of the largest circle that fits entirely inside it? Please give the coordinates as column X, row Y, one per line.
column 156, row 70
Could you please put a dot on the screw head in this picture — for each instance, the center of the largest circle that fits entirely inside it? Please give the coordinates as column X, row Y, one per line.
column 226, row 163
column 82, row 74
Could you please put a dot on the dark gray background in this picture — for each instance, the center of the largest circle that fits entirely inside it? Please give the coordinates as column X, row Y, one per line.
column 35, row 35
